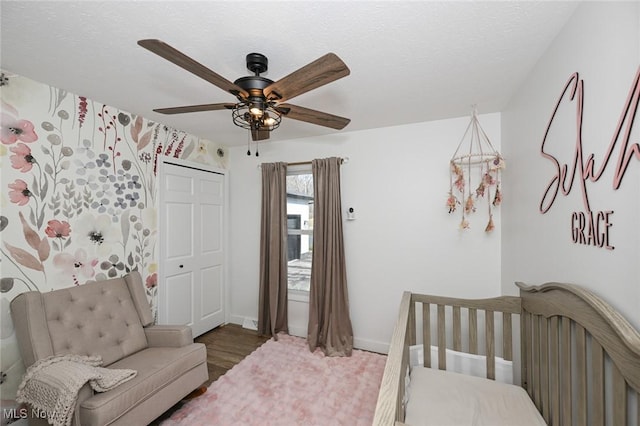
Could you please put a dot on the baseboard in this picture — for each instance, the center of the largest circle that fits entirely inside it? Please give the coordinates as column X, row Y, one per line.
column 364, row 344
column 371, row 345
column 236, row 319
column 298, row 331
column 250, row 324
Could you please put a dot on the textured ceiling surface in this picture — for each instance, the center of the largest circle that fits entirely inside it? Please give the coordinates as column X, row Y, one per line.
column 410, row 61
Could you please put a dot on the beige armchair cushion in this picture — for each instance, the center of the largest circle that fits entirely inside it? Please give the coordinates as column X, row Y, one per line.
column 95, row 319
column 157, row 368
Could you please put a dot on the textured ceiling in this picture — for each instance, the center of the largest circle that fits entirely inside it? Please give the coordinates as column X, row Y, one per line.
column 410, row 61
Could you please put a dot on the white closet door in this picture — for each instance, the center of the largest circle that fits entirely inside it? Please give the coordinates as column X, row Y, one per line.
column 192, row 254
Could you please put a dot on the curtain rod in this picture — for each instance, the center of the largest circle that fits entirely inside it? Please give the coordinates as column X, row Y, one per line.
column 343, row 160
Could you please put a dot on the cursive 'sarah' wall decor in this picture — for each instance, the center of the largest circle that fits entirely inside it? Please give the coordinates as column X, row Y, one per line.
column 591, row 227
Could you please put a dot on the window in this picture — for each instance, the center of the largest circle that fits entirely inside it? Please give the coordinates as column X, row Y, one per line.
column 300, row 228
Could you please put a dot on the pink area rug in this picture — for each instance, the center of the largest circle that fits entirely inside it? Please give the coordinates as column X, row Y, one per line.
column 282, row 383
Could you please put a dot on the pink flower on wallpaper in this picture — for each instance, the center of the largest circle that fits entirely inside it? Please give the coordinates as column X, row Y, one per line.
column 78, row 265
column 12, row 129
column 22, row 160
column 57, row 229
column 152, row 280
column 19, row 193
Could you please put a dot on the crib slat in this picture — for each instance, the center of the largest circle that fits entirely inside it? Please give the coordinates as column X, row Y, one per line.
column 525, row 350
column 442, row 339
column 553, row 370
column 535, row 361
column 597, row 383
column 566, row 371
column 412, row 324
column 457, row 329
column 473, row 331
column 490, row 344
column 507, row 343
column 581, row 378
column 426, row 334
column 544, row 368
column 619, row 396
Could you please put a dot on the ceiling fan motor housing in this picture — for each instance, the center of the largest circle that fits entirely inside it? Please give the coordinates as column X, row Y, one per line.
column 257, row 63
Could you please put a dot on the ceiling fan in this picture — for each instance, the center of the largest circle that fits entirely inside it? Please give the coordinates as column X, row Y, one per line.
column 261, row 102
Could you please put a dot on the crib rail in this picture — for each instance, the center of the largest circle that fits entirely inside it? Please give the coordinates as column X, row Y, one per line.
column 390, row 406
column 505, row 305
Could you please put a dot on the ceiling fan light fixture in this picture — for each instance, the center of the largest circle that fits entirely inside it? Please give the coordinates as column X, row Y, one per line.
column 256, row 107
column 268, row 120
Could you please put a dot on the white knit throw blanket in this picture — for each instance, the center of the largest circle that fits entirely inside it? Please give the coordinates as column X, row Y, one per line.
column 51, row 385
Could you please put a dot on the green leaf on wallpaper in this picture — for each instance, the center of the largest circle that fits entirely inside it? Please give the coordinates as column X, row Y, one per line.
column 45, row 150
column 48, row 169
column 44, row 249
column 45, row 188
column 41, row 219
column 54, row 139
column 130, row 259
column 32, row 216
column 124, row 226
column 67, row 243
column 34, row 187
column 23, row 258
column 30, row 235
column 60, row 97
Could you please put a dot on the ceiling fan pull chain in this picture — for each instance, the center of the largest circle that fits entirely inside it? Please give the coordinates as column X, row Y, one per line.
column 249, row 143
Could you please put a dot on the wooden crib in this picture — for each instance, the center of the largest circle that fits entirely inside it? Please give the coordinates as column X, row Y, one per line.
column 579, row 359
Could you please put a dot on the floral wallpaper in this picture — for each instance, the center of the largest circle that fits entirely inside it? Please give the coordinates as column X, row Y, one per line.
column 78, row 196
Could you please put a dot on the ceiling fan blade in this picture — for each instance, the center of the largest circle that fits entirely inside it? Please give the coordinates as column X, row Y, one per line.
column 259, row 135
column 171, row 54
column 194, row 108
column 323, row 70
column 312, row 116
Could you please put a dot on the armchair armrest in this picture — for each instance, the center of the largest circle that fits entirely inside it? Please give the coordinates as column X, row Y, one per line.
column 168, row 335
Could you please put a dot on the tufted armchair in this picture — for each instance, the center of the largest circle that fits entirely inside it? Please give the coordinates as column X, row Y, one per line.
column 112, row 319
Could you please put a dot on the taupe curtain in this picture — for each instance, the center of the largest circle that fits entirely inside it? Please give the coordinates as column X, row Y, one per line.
column 272, row 309
column 329, row 321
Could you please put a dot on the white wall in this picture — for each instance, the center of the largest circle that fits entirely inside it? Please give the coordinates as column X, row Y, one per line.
column 403, row 238
column 601, row 42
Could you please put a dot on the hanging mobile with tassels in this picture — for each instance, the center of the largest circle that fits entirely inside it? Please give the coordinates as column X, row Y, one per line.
column 480, row 152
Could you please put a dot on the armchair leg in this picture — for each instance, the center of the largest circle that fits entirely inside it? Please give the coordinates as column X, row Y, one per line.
column 196, row 392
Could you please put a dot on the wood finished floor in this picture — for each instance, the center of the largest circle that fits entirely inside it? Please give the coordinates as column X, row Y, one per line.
column 226, row 345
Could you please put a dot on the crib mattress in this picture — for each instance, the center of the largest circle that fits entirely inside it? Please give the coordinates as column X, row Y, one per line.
column 444, row 398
